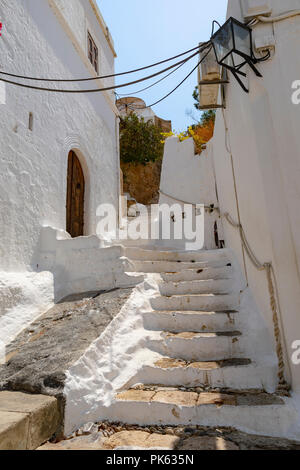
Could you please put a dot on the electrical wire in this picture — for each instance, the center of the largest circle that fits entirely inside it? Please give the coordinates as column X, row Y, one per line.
column 158, row 81
column 153, row 84
column 23, row 85
column 23, row 77
column 264, row 58
column 252, row 22
column 176, row 88
column 275, row 19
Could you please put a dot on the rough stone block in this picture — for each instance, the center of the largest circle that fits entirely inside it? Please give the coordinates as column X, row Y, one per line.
column 177, row 398
column 40, row 412
column 14, row 430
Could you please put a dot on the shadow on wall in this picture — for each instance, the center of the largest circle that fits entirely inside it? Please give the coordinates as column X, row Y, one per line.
column 80, row 265
column 61, row 266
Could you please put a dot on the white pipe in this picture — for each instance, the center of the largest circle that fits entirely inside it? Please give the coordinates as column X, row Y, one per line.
column 284, row 16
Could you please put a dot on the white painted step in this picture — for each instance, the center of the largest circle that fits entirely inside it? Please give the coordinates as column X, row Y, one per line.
column 237, row 374
column 171, row 266
column 221, row 286
column 208, row 303
column 176, row 321
column 187, row 256
column 197, row 347
column 127, row 242
column 270, row 417
column 225, row 272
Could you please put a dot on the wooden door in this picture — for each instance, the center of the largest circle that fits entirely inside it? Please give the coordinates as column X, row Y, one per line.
column 75, row 197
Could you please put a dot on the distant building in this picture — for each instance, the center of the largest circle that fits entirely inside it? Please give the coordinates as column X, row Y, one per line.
column 135, row 105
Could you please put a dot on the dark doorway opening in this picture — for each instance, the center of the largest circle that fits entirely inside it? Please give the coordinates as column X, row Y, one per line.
column 75, row 197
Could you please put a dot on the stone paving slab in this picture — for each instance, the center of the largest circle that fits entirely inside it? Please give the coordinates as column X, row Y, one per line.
column 170, row 363
column 37, row 360
column 218, row 399
column 14, row 429
column 39, row 357
column 27, row 421
column 140, row 440
column 136, row 395
column 207, row 443
column 171, row 438
column 177, row 397
column 93, row 442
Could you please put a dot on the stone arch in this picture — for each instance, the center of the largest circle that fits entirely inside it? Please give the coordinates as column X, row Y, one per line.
column 74, row 144
column 75, row 213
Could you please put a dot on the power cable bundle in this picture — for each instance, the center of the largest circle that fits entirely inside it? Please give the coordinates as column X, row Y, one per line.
column 195, row 51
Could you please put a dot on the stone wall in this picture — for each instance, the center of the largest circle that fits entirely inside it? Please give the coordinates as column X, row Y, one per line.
column 142, row 181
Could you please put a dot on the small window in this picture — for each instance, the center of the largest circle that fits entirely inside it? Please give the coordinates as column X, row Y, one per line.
column 30, row 122
column 93, row 53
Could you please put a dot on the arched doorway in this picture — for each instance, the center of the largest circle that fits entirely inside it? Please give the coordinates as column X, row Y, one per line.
column 75, row 197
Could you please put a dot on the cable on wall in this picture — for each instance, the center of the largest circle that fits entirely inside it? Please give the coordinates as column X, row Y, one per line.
column 275, row 19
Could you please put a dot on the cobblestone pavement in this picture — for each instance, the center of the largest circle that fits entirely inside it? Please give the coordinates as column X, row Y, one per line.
column 106, row 436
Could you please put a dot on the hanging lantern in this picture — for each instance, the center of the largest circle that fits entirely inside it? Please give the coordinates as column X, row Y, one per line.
column 209, row 67
column 209, row 70
column 209, row 80
column 234, row 48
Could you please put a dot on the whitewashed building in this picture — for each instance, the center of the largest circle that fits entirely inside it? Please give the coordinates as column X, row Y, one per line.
column 59, row 156
column 225, row 320
column 131, row 104
column 39, row 129
column 251, row 169
column 262, row 160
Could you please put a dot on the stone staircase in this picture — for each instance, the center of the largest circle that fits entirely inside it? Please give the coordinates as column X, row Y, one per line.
column 203, row 372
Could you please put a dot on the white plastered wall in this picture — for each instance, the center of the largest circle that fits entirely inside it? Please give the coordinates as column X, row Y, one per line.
column 48, row 39
column 34, row 164
column 189, row 178
column 263, row 137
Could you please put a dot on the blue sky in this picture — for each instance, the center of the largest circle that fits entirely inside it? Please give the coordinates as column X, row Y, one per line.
column 146, row 31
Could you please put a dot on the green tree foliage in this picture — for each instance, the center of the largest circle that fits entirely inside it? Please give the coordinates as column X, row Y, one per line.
column 208, row 117
column 140, row 141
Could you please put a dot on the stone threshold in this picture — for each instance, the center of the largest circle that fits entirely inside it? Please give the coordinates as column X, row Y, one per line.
column 27, row 421
column 171, row 363
column 194, row 399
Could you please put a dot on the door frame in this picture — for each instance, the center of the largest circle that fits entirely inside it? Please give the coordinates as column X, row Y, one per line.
column 73, row 154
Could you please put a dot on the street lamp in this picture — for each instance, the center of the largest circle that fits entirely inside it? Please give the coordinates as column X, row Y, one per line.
column 234, row 48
